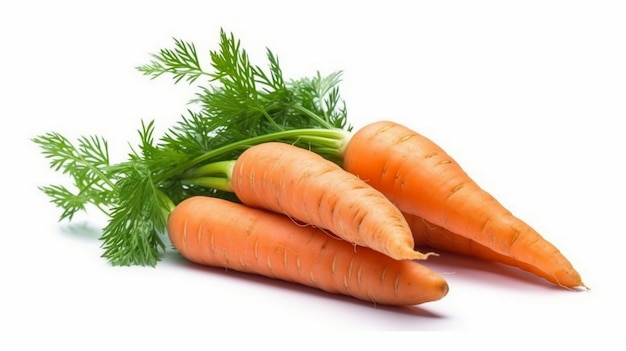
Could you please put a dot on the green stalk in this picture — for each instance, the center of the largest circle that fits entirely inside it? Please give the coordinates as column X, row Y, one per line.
column 216, row 175
column 313, row 116
column 219, row 183
column 329, row 143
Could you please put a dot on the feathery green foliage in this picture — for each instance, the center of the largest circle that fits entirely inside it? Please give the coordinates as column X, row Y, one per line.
column 239, row 105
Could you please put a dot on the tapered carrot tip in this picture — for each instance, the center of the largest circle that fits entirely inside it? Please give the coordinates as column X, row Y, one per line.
column 419, row 285
column 441, row 287
column 427, row 234
column 403, row 251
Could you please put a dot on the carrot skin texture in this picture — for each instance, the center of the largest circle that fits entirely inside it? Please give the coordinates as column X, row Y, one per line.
column 304, row 186
column 421, row 179
column 216, row 232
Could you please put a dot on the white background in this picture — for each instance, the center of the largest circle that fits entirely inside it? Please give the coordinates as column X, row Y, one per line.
column 529, row 96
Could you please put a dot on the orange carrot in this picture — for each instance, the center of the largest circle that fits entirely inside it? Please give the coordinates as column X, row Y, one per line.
column 216, row 232
column 303, row 185
column 430, row 236
column 423, row 180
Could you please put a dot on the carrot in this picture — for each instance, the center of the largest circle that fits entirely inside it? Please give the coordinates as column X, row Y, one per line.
column 306, row 187
column 421, row 179
column 430, row 236
column 221, row 233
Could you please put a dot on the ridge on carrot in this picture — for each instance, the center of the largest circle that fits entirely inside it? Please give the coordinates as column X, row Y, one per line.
column 216, row 232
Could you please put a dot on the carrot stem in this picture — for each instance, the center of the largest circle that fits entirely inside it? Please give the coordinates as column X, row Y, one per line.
column 219, row 183
column 328, row 143
column 224, row 168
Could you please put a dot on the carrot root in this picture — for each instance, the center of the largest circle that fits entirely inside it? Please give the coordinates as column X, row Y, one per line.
column 428, row 235
column 220, row 233
column 423, row 180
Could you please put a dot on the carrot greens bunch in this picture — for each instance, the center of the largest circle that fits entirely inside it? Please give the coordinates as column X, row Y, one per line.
column 239, row 105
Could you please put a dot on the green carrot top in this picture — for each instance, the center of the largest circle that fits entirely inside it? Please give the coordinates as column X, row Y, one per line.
column 239, row 105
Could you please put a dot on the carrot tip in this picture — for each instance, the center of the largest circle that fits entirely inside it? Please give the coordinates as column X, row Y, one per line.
column 422, row 256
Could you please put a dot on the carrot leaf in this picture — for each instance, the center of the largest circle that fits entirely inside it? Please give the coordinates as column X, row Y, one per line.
column 133, row 234
column 182, row 62
column 239, row 104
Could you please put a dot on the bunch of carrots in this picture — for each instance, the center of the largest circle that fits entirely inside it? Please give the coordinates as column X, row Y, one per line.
column 269, row 178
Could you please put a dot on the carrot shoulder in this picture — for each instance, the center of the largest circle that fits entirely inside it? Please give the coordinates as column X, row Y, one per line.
column 423, row 180
column 220, row 233
column 303, row 185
